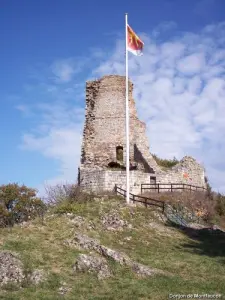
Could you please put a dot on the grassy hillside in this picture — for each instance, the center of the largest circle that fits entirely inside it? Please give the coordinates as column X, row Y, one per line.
column 196, row 265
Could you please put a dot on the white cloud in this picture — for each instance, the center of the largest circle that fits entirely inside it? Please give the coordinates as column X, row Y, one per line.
column 179, row 88
column 190, row 64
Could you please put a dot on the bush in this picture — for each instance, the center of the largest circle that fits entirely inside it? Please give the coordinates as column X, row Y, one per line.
column 220, row 205
column 18, row 204
column 167, row 163
column 207, row 207
column 66, row 193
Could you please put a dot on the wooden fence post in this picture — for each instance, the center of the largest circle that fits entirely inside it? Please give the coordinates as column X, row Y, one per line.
column 158, row 188
column 146, row 203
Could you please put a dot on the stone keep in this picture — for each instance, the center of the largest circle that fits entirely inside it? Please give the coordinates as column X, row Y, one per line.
column 103, row 153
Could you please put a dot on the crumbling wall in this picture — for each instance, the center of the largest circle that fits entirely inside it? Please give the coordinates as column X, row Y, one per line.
column 188, row 171
column 104, row 127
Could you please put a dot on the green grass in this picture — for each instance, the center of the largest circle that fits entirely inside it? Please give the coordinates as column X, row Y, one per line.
column 194, row 268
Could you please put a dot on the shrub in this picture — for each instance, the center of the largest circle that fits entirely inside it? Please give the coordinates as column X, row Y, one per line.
column 200, row 206
column 66, row 193
column 18, row 204
column 167, row 163
column 220, row 205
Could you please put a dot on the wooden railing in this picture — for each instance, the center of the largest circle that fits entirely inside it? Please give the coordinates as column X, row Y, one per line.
column 170, row 187
column 171, row 215
column 141, row 199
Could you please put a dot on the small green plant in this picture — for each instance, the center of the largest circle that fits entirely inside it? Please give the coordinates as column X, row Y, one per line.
column 167, row 163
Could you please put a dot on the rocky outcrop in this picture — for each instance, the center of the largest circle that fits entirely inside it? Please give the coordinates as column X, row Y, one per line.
column 85, row 262
column 12, row 271
column 92, row 264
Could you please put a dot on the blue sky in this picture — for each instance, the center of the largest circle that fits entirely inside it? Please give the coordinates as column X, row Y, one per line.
column 50, row 48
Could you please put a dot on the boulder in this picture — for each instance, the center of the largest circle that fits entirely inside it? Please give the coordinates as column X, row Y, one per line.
column 11, row 268
column 92, row 264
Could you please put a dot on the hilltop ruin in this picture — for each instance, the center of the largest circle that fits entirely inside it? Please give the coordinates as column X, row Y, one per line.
column 103, row 153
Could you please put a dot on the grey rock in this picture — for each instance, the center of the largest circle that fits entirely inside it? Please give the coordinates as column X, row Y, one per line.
column 144, row 271
column 92, row 264
column 112, row 221
column 84, row 242
column 11, row 268
column 64, row 289
column 79, row 222
column 117, row 256
column 37, row 276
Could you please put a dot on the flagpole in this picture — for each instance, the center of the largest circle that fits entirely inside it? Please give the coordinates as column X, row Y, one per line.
column 127, row 121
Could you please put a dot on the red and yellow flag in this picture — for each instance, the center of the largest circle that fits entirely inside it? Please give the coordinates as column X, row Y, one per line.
column 134, row 43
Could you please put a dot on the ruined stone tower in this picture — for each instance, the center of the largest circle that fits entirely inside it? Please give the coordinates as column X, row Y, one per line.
column 104, row 130
column 103, row 152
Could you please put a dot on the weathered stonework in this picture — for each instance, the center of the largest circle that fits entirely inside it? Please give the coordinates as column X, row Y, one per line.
column 104, row 144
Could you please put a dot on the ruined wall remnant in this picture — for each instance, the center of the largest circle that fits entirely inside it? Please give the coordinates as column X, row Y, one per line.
column 104, row 128
column 104, row 142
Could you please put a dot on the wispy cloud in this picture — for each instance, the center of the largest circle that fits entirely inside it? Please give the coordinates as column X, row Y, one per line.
column 179, row 92
column 24, row 109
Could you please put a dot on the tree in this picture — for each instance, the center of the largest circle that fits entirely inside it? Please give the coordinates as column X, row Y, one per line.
column 18, row 204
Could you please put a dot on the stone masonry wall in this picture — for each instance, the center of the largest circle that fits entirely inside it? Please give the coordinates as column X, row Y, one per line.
column 188, row 171
column 95, row 180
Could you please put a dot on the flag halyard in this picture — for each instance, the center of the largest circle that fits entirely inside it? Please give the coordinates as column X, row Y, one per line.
column 134, row 43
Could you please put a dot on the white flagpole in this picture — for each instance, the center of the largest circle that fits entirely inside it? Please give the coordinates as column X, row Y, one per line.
column 127, row 121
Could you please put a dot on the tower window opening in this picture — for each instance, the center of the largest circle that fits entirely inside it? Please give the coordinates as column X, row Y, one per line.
column 119, row 153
